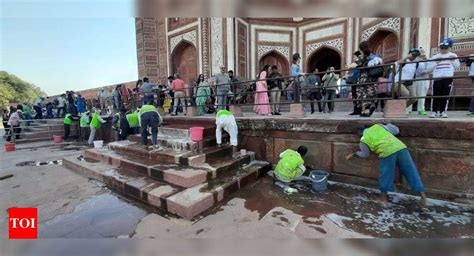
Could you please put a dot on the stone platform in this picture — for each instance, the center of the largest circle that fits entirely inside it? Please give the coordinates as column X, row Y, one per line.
column 183, row 178
column 45, row 130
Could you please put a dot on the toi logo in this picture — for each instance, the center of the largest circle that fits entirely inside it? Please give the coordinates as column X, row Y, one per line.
column 22, row 223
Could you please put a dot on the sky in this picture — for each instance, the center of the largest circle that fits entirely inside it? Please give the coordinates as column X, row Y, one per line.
column 61, row 46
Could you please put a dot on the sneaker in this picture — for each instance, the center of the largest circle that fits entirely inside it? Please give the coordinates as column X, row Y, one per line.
column 422, row 113
column 444, row 115
column 432, row 115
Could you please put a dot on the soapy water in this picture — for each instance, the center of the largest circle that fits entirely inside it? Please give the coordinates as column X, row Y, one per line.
column 40, row 163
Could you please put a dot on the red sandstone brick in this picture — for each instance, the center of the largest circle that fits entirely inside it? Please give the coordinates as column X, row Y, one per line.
column 158, row 194
column 395, row 108
column 185, row 178
column 236, row 110
column 297, row 110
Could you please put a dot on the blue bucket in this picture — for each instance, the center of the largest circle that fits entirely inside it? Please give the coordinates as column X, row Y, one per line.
column 319, row 180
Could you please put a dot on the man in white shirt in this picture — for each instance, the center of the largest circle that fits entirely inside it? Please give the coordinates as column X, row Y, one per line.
column 408, row 72
column 443, row 72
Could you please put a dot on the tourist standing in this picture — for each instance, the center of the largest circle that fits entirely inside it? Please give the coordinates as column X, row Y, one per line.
column 236, row 87
column 262, row 104
column 314, row 90
column 352, row 81
column 370, row 72
column 38, row 106
column 203, row 95
column 61, row 106
column 71, row 102
column 222, row 81
column 49, row 109
column 330, row 88
column 422, row 86
column 28, row 115
column 178, row 88
column 14, row 123
column 103, row 96
column 408, row 73
column 117, row 98
column 443, row 71
column 275, row 85
column 296, row 77
column 81, row 104
column 469, row 63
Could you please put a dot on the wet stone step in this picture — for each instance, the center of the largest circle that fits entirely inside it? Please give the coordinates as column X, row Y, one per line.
column 125, row 182
column 194, row 201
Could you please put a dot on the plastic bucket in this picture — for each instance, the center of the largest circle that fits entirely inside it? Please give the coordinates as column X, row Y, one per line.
column 9, row 147
column 319, row 180
column 197, row 133
column 58, row 139
column 98, row 143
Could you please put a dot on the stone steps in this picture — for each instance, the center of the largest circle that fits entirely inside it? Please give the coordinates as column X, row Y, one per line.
column 196, row 190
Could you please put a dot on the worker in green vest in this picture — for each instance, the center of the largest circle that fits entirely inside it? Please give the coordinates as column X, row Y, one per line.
column 84, row 124
column 120, row 124
column 67, row 125
column 392, row 153
column 226, row 120
column 291, row 165
column 149, row 117
column 95, row 124
column 132, row 119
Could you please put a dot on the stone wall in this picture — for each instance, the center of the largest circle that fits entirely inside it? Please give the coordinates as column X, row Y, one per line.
column 442, row 151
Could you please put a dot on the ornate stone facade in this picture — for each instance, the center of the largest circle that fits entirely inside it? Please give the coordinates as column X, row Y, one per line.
column 253, row 40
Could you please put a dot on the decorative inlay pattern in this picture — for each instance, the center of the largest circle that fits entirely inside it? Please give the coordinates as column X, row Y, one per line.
column 335, row 43
column 391, row 23
column 217, row 45
column 264, row 49
column 190, row 36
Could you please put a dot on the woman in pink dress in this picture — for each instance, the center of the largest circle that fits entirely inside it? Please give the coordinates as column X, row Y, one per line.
column 262, row 104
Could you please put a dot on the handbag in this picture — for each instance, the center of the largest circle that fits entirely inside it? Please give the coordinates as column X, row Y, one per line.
column 375, row 72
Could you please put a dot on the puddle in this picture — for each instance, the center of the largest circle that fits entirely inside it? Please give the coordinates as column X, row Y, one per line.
column 40, row 163
column 101, row 216
column 355, row 208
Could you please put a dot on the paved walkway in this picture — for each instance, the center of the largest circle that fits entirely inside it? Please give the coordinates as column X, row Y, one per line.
column 71, row 206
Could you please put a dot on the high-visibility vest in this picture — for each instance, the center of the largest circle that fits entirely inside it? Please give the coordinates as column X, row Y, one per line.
column 95, row 122
column 84, row 120
column 132, row 119
column 288, row 166
column 67, row 119
column 224, row 112
column 147, row 108
column 381, row 142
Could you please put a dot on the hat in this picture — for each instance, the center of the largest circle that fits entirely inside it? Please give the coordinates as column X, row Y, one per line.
column 414, row 50
column 447, row 42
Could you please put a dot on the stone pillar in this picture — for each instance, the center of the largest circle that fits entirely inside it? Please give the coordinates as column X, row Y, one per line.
column 395, row 108
column 191, row 111
column 297, row 110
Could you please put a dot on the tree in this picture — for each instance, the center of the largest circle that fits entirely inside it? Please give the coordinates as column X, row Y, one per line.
column 13, row 90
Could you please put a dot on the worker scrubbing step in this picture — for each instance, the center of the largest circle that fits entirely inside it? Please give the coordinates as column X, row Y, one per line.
column 226, row 120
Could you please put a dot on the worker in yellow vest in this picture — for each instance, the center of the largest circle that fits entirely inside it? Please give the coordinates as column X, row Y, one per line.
column 149, row 117
column 84, row 124
column 95, row 124
column 226, row 120
column 68, row 118
column 392, row 153
column 132, row 119
column 291, row 165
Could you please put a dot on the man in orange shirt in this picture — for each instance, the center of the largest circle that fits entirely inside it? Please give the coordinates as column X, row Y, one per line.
column 178, row 87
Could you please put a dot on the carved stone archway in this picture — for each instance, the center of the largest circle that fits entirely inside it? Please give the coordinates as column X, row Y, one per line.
column 324, row 58
column 184, row 61
column 275, row 58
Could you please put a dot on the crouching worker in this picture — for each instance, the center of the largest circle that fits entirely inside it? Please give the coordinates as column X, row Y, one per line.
column 149, row 117
column 96, row 123
column 120, row 125
column 392, row 152
column 68, row 118
column 132, row 119
column 291, row 165
column 226, row 120
column 84, row 123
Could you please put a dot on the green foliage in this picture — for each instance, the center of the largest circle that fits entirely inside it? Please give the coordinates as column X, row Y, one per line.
column 13, row 90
